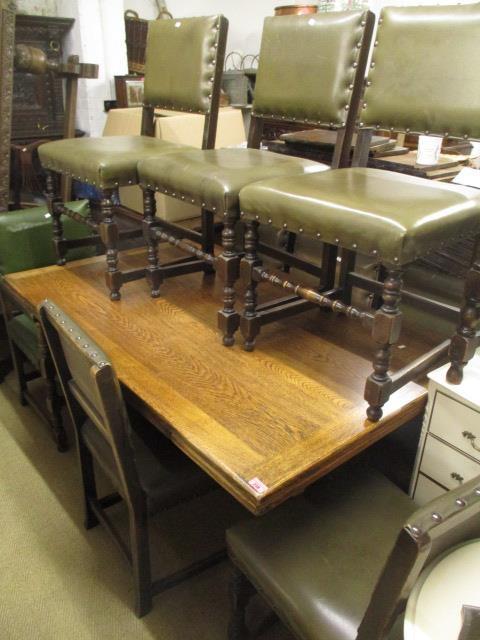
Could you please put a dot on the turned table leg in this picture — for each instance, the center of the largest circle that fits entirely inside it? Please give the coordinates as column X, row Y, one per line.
column 249, row 322
column 386, row 331
column 153, row 272
column 463, row 344
column 228, row 269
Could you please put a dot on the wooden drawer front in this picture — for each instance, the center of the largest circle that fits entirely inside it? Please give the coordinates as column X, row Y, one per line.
column 426, row 490
column 439, row 461
column 450, row 419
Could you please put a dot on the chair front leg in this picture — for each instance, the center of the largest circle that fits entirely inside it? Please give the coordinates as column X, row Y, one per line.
column 54, row 204
column 464, row 342
column 386, row 331
column 153, row 271
column 241, row 591
column 140, row 550
column 228, row 269
column 109, row 236
column 249, row 322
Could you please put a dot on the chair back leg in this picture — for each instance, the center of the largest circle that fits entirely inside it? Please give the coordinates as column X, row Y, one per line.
column 241, row 591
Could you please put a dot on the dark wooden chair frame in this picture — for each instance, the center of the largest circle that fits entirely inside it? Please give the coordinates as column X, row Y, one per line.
column 113, row 425
column 227, row 264
column 444, row 523
column 386, row 320
column 106, row 233
column 51, row 414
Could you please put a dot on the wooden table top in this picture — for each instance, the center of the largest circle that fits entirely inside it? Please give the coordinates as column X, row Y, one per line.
column 265, row 424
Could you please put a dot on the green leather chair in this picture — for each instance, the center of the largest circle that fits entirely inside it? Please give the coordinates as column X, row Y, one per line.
column 184, row 60
column 311, row 71
column 26, row 243
column 148, row 472
column 339, row 562
column 422, row 80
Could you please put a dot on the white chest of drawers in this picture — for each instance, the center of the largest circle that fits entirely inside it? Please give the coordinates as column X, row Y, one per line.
column 449, row 448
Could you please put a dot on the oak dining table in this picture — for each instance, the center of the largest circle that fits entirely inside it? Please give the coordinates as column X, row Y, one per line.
column 264, row 425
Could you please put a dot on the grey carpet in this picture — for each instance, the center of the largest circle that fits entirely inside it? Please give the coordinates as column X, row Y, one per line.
column 59, row 581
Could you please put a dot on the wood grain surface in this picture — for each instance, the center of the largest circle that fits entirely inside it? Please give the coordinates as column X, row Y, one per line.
column 285, row 415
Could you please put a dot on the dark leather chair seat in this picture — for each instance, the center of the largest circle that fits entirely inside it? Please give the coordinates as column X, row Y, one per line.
column 24, row 333
column 106, row 162
column 166, row 475
column 214, row 178
column 397, row 218
column 318, row 557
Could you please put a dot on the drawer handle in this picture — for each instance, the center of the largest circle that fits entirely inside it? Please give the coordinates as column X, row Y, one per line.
column 457, row 477
column 469, row 436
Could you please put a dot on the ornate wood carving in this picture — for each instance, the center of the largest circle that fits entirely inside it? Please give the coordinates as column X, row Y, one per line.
column 38, row 99
column 7, row 31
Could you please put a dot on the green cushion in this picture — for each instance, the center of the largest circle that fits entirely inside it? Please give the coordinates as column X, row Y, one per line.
column 215, row 177
column 26, row 238
column 106, row 162
column 394, row 217
column 317, row 558
column 23, row 331
column 425, row 71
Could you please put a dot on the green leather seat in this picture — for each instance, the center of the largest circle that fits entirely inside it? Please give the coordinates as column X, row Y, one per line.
column 107, row 162
column 318, row 557
column 24, row 333
column 166, row 475
column 214, row 178
column 394, row 217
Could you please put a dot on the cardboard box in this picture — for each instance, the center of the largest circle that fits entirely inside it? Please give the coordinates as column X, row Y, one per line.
column 174, row 126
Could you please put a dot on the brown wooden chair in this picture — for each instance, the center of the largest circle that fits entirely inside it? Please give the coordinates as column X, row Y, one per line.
column 393, row 218
column 184, row 61
column 311, row 71
column 339, row 562
column 148, row 472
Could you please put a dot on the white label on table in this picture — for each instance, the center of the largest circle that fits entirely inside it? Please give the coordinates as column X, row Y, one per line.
column 257, row 485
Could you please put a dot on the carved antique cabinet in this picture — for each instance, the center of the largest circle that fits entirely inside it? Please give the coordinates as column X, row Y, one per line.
column 38, row 99
column 7, row 21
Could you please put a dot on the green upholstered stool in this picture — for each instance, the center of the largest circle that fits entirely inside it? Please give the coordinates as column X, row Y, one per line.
column 26, row 243
column 339, row 562
column 184, row 60
column 311, row 71
column 392, row 218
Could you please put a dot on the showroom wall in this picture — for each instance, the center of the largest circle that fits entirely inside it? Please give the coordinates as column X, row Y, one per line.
column 98, row 35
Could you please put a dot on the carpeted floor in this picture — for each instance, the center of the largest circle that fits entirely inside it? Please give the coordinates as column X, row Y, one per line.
column 59, row 581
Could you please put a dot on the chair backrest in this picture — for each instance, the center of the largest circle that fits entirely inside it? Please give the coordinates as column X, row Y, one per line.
column 311, row 70
column 445, row 522
column 183, row 69
column 91, row 388
column 424, row 71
